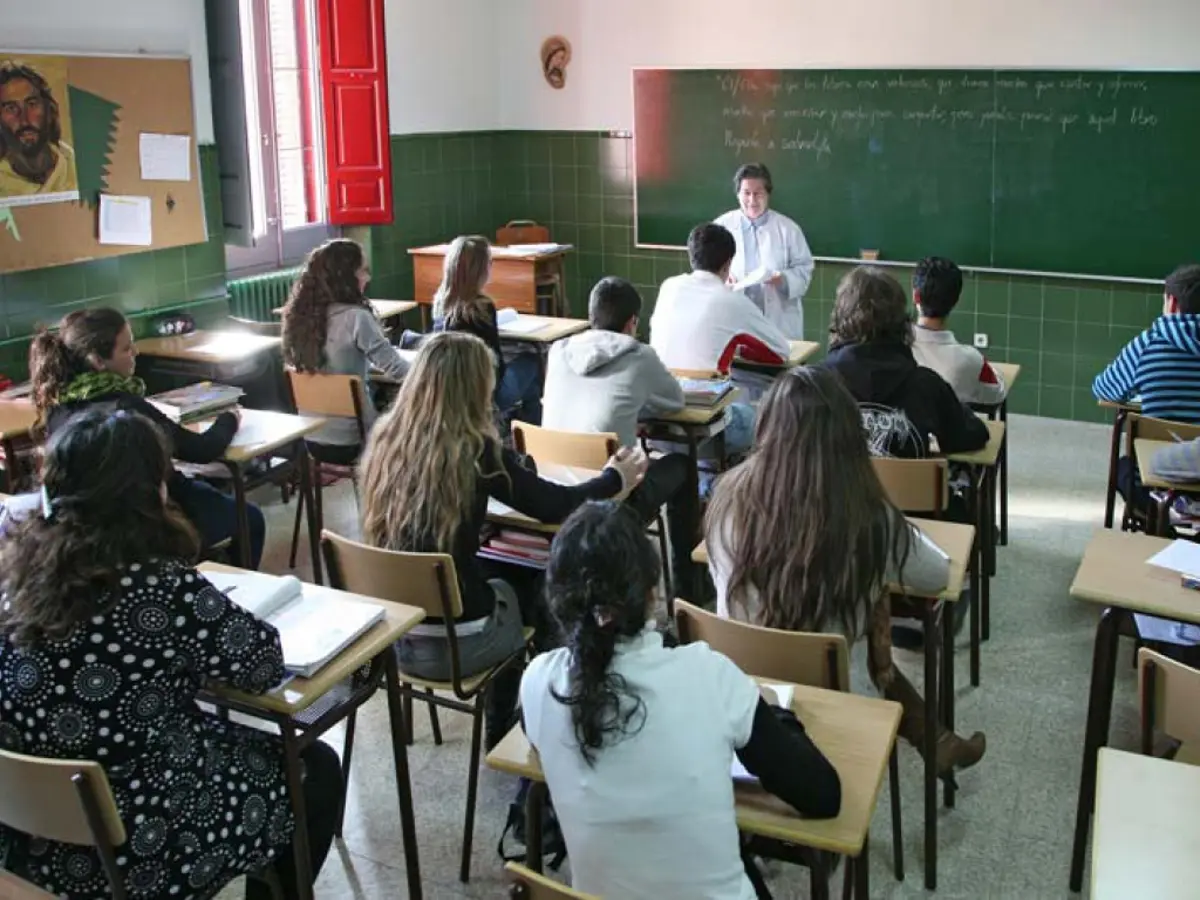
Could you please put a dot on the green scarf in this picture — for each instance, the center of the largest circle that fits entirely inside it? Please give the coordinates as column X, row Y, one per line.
column 91, row 385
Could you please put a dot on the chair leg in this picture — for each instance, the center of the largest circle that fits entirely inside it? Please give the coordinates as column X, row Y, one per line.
column 406, row 700
column 296, row 530
column 661, row 527
column 897, row 830
column 347, row 752
column 434, row 725
column 464, row 874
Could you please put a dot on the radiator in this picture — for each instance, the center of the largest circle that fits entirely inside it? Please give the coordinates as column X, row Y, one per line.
column 258, row 296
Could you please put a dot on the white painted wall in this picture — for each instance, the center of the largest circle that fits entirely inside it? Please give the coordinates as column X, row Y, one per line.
column 442, row 64
column 611, row 36
column 117, row 26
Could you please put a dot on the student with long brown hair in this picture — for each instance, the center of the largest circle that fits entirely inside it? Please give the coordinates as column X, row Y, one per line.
column 89, row 360
column 107, row 632
column 460, row 304
column 329, row 326
column 431, row 464
column 801, row 536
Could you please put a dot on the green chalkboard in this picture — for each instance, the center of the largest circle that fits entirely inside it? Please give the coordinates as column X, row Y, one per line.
column 1094, row 173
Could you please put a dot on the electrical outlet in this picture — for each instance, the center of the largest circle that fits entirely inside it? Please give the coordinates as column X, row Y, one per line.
column 981, row 341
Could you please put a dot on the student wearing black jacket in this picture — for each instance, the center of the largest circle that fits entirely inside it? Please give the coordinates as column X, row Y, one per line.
column 637, row 740
column 89, row 361
column 432, row 463
column 903, row 404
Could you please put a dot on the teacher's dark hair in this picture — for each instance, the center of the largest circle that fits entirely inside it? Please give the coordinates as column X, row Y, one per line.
column 710, row 248
column 599, row 579
column 753, row 170
column 103, row 509
column 1184, row 285
column 870, row 307
column 613, row 302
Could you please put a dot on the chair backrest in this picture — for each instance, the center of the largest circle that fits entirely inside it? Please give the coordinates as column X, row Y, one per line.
column 522, row 231
column 1170, row 698
column 326, row 394
column 426, row 580
column 1140, row 426
column 799, row 657
column 567, row 448
column 915, row 485
column 69, row 801
column 266, row 329
column 526, row 884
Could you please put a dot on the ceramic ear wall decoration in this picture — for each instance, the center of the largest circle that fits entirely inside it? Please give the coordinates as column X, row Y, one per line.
column 556, row 55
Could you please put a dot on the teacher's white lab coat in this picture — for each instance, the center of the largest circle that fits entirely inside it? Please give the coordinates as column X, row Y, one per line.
column 781, row 248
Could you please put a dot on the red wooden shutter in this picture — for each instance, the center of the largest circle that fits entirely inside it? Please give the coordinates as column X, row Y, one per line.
column 358, row 159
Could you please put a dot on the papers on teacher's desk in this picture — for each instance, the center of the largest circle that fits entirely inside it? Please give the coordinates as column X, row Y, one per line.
column 776, row 695
column 313, row 628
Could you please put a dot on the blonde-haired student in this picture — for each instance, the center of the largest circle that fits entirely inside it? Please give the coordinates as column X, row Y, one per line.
column 431, row 464
column 460, row 304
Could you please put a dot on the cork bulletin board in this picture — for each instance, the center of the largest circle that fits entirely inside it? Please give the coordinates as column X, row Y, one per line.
column 72, row 129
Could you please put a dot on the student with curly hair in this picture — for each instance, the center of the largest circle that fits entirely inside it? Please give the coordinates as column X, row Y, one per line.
column 89, row 361
column 329, row 326
column 637, row 740
column 107, row 632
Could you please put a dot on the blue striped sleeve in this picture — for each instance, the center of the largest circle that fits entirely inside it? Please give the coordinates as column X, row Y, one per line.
column 1118, row 382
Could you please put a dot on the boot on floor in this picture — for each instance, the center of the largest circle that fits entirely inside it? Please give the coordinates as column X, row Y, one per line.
column 953, row 752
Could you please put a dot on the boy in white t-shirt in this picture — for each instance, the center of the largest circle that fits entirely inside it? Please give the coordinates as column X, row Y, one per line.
column 937, row 284
column 637, row 740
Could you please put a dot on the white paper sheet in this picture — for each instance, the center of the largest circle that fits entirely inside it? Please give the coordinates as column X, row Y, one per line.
column 1178, row 556
column 165, row 157
column 125, row 220
column 758, row 276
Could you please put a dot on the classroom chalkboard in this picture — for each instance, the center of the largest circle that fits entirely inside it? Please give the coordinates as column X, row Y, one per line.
column 1090, row 173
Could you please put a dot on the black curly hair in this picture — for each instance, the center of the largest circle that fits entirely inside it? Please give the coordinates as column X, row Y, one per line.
column 330, row 276
column 599, row 579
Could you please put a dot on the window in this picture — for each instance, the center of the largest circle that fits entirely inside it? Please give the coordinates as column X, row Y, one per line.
column 300, row 110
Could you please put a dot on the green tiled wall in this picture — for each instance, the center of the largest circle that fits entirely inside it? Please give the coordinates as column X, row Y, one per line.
column 580, row 184
column 190, row 279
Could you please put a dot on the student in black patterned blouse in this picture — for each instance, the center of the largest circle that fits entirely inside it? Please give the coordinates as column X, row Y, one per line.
column 107, row 632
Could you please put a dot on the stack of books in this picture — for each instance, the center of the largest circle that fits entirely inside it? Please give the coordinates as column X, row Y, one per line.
column 706, row 392
column 196, row 401
column 520, row 548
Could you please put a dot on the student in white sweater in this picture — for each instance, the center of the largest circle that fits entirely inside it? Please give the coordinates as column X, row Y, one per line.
column 937, row 285
column 699, row 323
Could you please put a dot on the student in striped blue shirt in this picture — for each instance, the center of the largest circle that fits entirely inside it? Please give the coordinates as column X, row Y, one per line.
column 1161, row 365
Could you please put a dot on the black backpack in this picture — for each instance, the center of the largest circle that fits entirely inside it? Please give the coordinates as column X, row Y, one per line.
column 553, row 844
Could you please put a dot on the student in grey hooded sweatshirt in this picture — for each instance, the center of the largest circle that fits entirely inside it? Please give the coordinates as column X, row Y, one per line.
column 605, row 379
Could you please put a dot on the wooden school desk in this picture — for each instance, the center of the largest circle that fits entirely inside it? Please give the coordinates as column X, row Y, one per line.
column 958, row 542
column 1115, row 576
column 801, row 352
column 515, row 274
column 1121, row 412
column 855, row 733
column 552, row 328
column 1146, row 842
column 250, row 361
column 981, row 500
column 17, row 418
column 261, row 433
column 305, row 708
column 1144, row 450
column 1010, row 372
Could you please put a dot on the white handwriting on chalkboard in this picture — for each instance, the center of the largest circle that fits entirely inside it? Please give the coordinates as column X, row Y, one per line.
column 740, row 144
column 817, row 144
column 1100, row 122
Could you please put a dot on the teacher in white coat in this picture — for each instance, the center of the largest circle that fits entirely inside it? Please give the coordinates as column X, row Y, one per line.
column 770, row 241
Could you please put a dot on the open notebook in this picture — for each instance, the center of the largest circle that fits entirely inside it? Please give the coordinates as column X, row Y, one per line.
column 783, row 694
column 512, row 322
column 313, row 628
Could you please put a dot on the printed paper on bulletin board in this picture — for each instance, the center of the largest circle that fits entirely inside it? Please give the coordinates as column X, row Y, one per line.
column 70, row 129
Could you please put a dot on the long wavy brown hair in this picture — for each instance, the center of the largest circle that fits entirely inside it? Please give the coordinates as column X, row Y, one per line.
column 423, row 457
column 56, row 358
column 104, row 478
column 805, row 520
column 870, row 305
column 459, row 300
column 330, row 277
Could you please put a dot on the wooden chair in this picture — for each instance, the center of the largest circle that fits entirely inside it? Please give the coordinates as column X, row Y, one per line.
column 587, row 451
column 916, row 486
column 1170, row 701
column 324, row 394
column 1154, row 519
column 798, row 657
column 428, row 581
column 549, row 287
column 525, row 884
